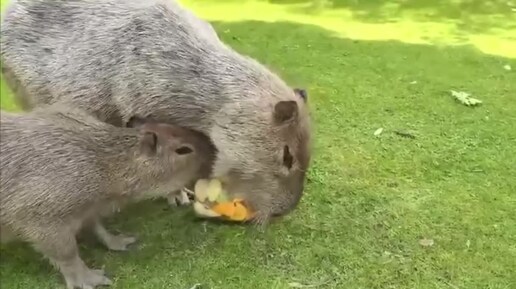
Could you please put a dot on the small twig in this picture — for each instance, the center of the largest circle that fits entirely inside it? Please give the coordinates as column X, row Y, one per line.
column 451, row 285
column 196, row 286
column 405, row 134
column 299, row 285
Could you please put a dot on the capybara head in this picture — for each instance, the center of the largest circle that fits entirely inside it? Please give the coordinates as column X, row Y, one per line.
column 277, row 139
column 173, row 152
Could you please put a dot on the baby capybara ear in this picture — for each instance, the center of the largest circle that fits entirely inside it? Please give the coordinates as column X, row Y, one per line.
column 134, row 121
column 137, row 121
column 148, row 143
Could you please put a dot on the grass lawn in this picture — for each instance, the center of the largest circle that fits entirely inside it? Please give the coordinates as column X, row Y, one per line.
column 370, row 200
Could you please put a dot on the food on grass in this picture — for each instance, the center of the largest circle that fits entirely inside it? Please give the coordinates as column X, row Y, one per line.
column 205, row 211
column 211, row 201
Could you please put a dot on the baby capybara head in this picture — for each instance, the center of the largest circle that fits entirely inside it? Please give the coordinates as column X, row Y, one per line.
column 171, row 151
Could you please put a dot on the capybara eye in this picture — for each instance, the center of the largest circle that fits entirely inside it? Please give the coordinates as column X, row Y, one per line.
column 184, row 150
column 288, row 159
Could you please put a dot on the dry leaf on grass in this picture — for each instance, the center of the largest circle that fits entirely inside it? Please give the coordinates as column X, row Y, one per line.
column 426, row 242
column 465, row 98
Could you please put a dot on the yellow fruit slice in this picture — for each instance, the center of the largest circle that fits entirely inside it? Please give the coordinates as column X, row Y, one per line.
column 201, row 190
column 214, row 190
column 202, row 211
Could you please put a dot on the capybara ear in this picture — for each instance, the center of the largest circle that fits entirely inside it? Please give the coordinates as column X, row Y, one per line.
column 301, row 93
column 148, row 143
column 285, row 110
column 136, row 121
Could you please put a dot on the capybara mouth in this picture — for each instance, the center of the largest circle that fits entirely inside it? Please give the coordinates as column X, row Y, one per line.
column 212, row 201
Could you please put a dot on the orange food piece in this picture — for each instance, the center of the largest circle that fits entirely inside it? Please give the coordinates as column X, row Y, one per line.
column 240, row 213
column 234, row 210
column 225, row 209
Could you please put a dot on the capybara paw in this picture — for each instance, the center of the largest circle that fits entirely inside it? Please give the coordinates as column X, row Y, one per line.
column 179, row 199
column 87, row 279
column 120, row 242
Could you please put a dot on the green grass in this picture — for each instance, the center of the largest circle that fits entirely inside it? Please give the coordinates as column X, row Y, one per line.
column 369, row 200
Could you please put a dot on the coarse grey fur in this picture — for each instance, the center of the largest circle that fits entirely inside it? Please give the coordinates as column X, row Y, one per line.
column 153, row 58
column 62, row 170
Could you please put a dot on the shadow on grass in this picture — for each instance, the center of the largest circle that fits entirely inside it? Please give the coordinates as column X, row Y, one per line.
column 362, row 199
column 469, row 15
